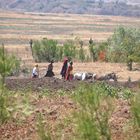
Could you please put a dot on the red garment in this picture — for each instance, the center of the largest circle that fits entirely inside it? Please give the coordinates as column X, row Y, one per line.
column 69, row 75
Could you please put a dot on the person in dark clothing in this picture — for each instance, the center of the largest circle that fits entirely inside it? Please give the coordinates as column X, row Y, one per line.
column 50, row 72
column 64, row 68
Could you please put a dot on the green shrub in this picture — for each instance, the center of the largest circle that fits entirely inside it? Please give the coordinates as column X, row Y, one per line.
column 124, row 45
column 81, row 54
column 44, row 50
column 136, row 110
column 4, row 113
column 69, row 49
column 95, row 109
column 7, row 64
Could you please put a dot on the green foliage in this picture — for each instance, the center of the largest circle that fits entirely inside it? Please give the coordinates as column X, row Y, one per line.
column 69, row 49
column 95, row 106
column 136, row 110
column 41, row 129
column 132, row 129
column 81, row 54
column 94, row 113
column 4, row 113
column 7, row 63
column 124, row 45
column 59, row 55
column 44, row 50
column 93, row 52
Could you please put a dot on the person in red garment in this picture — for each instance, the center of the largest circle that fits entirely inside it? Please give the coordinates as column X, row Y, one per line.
column 69, row 73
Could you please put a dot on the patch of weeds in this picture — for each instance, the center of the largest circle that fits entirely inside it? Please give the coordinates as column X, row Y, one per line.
column 43, row 135
column 132, row 129
column 125, row 94
column 21, row 108
column 61, row 92
column 44, row 93
column 107, row 89
column 136, row 110
column 4, row 112
column 95, row 109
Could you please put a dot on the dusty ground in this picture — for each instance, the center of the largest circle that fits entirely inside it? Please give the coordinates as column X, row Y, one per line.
column 100, row 68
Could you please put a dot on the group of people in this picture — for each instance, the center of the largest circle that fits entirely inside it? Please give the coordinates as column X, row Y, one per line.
column 66, row 71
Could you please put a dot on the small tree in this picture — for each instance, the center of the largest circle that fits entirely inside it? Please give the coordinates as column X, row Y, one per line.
column 70, row 49
column 93, row 50
column 45, row 50
column 126, row 41
column 7, row 64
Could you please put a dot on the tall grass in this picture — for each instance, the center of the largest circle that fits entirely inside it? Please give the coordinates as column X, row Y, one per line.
column 135, row 108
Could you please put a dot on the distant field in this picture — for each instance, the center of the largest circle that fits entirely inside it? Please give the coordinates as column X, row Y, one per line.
column 19, row 28
column 16, row 29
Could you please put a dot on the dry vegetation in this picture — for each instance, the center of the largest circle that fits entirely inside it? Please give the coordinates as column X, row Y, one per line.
column 19, row 28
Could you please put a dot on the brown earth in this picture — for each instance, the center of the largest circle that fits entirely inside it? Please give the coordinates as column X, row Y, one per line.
column 56, row 108
column 100, row 68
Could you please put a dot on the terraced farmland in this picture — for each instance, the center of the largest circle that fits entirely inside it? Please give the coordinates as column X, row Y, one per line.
column 16, row 29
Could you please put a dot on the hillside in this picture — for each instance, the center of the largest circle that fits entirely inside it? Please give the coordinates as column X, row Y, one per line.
column 99, row 7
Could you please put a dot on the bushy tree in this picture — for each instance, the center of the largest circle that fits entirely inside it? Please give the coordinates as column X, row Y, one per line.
column 124, row 45
column 7, row 64
column 45, row 50
column 69, row 49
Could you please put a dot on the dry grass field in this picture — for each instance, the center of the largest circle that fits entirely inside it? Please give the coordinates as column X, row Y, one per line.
column 19, row 28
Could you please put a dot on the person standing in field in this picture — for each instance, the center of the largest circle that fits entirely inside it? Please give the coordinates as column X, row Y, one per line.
column 50, row 72
column 69, row 72
column 35, row 71
column 64, row 68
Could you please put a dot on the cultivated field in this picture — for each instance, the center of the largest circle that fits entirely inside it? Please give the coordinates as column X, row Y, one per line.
column 19, row 28
column 16, row 29
column 33, row 108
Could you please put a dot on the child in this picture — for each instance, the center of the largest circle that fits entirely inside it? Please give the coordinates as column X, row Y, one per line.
column 35, row 72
